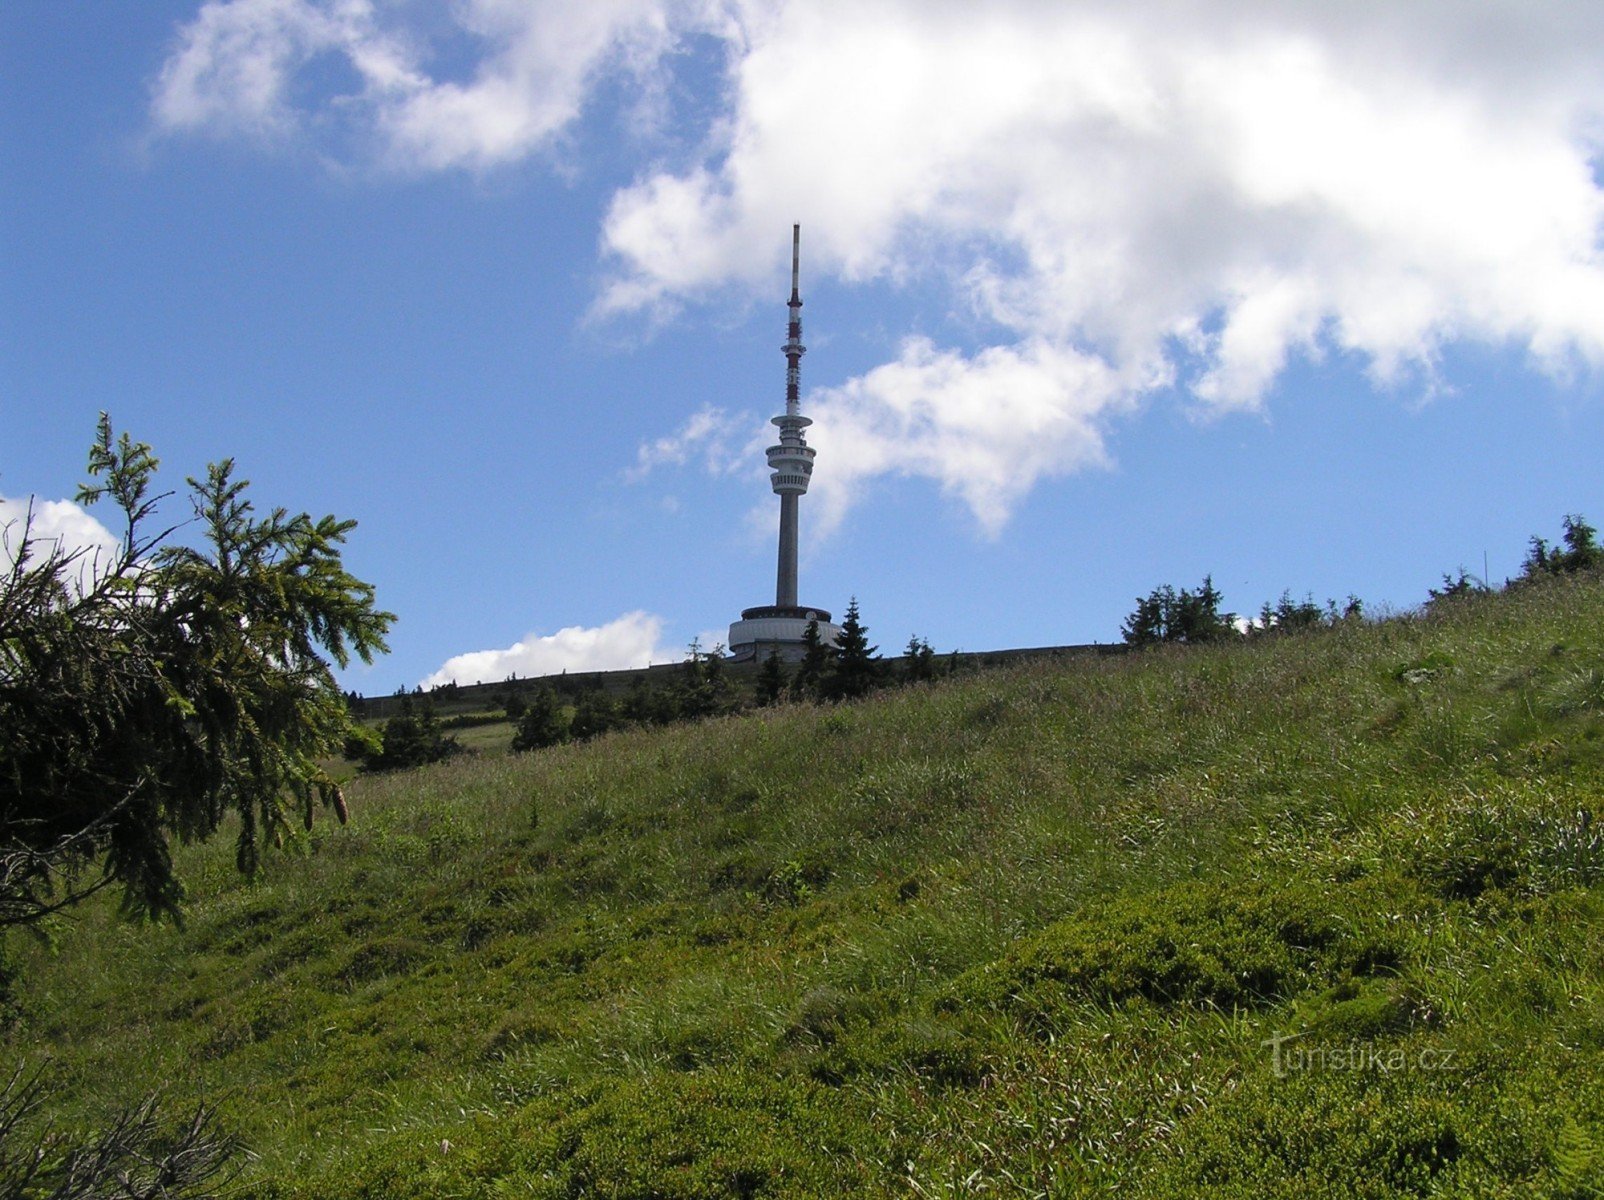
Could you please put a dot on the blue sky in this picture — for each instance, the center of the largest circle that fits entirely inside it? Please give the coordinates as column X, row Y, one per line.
column 1098, row 297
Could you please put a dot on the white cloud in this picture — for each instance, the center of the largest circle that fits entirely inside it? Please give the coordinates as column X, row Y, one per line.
column 241, row 66
column 1125, row 195
column 633, row 640
column 710, row 435
column 986, row 427
column 58, row 525
column 233, row 65
column 1142, row 193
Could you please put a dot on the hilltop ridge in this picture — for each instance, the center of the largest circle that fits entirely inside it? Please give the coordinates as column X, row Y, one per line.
column 1308, row 915
column 457, row 699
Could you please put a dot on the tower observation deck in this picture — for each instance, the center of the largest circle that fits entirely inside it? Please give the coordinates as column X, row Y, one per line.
column 782, row 626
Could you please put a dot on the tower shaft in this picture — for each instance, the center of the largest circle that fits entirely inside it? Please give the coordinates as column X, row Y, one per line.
column 785, row 584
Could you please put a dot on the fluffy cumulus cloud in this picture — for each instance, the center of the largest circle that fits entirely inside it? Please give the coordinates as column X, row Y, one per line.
column 633, row 640
column 1140, row 195
column 1113, row 196
column 711, row 435
column 240, row 66
column 986, row 427
column 58, row 526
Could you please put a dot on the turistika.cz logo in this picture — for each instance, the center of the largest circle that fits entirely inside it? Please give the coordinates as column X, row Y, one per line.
column 1289, row 1054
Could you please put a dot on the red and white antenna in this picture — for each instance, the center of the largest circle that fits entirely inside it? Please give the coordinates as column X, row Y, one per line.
column 791, row 462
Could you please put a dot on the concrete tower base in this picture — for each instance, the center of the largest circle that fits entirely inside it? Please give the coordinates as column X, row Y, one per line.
column 780, row 629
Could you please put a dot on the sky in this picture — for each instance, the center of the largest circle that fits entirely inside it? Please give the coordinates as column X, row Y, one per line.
column 1099, row 295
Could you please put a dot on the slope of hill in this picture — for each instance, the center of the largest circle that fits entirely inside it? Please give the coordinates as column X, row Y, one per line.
column 1315, row 915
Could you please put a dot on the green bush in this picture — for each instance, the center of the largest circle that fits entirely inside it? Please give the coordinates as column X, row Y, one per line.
column 1226, row 946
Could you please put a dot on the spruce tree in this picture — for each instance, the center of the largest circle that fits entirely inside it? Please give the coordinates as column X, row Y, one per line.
column 1582, row 551
column 544, row 723
column 853, row 670
column 642, row 705
column 719, row 697
column 815, row 659
column 704, row 688
column 169, row 687
column 919, row 661
column 1166, row 615
column 771, row 680
column 412, row 738
column 1147, row 624
column 594, row 715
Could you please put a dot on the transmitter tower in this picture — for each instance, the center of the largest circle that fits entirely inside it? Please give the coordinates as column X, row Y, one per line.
column 782, row 626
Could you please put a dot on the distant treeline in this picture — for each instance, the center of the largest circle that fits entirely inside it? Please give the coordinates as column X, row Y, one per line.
column 1191, row 617
column 549, row 712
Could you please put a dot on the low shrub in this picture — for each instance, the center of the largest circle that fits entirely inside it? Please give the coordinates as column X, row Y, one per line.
column 1226, row 946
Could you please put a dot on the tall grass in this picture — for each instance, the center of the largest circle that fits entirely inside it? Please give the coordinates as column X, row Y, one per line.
column 1019, row 933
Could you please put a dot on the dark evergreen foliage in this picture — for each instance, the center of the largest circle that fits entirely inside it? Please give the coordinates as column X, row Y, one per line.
column 704, row 688
column 815, row 660
column 1456, row 588
column 412, row 738
column 362, row 743
column 853, row 671
column 544, row 722
column 644, row 704
column 149, row 694
column 1290, row 616
column 1188, row 617
column 771, row 680
column 594, row 714
column 918, row 661
column 1581, row 551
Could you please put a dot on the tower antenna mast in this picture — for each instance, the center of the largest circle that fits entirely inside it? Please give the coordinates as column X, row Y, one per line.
column 791, row 462
column 782, row 628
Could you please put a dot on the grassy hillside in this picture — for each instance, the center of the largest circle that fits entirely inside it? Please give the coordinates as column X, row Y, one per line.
column 1308, row 916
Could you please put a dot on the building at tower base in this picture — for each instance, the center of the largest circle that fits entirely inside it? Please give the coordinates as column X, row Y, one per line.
column 781, row 628
column 774, row 629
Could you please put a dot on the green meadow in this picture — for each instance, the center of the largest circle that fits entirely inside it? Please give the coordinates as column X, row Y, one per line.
column 1313, row 915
